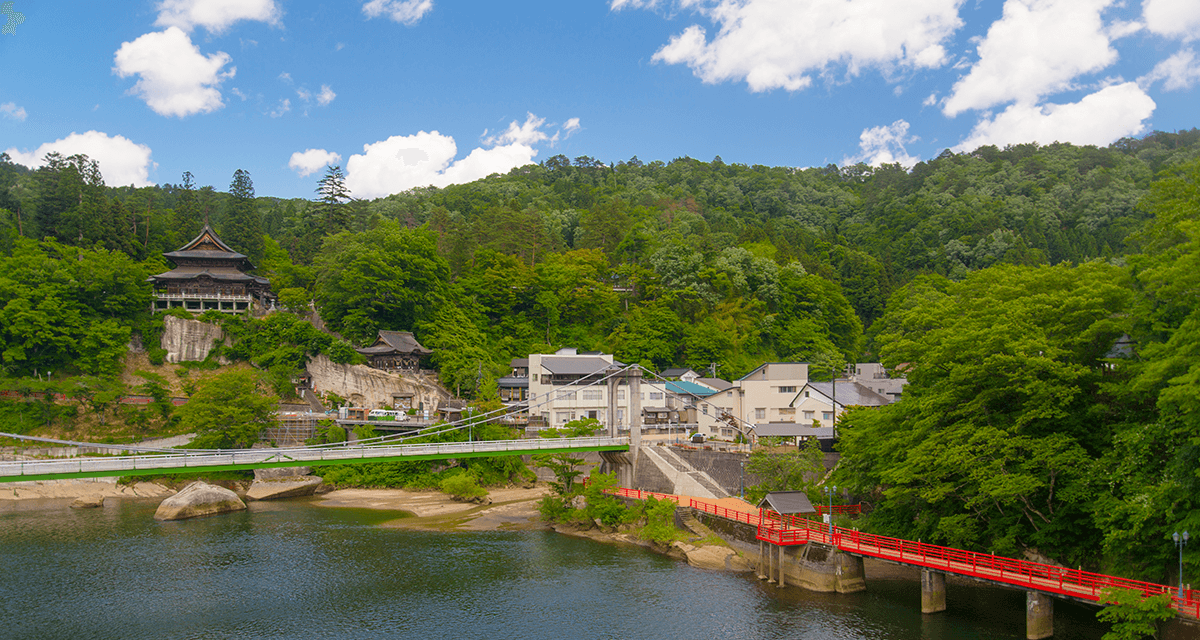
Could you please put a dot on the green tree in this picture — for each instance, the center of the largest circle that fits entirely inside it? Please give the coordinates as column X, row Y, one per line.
column 795, row 470
column 565, row 465
column 992, row 445
column 242, row 226
column 384, row 278
column 228, row 410
column 1133, row 615
column 189, row 218
column 331, row 207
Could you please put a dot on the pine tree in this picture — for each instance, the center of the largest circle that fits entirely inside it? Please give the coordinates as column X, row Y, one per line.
column 188, row 217
column 332, row 210
column 242, row 228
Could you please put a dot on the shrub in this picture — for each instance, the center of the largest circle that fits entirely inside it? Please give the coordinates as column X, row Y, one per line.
column 660, row 521
column 335, row 434
column 553, row 508
column 157, row 355
column 462, row 487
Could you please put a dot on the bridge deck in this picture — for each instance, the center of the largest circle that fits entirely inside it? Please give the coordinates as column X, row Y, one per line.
column 1063, row 581
column 94, row 467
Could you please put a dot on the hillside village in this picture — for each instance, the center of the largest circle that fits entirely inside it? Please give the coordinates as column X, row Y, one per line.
column 1020, row 313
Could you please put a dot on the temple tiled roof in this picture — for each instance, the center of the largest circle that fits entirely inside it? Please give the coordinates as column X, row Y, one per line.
column 402, row 342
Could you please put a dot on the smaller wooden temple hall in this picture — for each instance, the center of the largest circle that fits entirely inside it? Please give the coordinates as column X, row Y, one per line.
column 395, row 350
column 209, row 275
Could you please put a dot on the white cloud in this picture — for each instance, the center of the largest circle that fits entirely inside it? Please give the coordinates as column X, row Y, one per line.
column 427, row 158
column 884, row 145
column 1099, row 118
column 571, row 126
column 1181, row 71
column 175, row 79
column 286, row 77
column 11, row 111
column 774, row 44
column 406, row 12
column 529, row 133
column 283, row 107
column 1037, row 48
column 326, row 96
column 214, row 15
column 617, row 5
column 237, row 92
column 1173, row 18
column 310, row 161
column 122, row 161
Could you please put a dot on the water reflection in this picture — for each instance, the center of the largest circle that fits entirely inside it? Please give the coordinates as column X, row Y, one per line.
column 291, row 570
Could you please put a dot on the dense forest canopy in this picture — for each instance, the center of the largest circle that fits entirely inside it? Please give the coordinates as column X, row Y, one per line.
column 998, row 279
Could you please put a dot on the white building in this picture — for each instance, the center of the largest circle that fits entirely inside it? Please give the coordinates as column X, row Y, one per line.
column 567, row 385
column 761, row 396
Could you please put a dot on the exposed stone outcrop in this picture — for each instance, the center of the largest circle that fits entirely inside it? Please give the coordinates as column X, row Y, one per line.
column 367, row 387
column 282, row 472
column 198, row 499
column 293, row 487
column 88, row 502
column 713, row 557
column 189, row 340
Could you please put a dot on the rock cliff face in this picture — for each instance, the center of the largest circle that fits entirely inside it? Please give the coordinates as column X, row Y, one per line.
column 372, row 388
column 189, row 340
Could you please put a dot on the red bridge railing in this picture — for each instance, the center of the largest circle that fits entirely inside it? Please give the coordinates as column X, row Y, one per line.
column 793, row 530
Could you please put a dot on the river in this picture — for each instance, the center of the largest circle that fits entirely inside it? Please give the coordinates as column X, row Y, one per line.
column 285, row 570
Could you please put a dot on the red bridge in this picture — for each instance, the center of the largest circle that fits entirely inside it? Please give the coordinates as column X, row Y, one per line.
column 1062, row 581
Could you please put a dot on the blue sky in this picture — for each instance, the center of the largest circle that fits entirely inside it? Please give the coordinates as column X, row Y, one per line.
column 406, row 93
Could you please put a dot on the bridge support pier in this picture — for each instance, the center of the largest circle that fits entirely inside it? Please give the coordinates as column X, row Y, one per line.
column 1039, row 615
column 763, row 569
column 781, row 568
column 933, row 591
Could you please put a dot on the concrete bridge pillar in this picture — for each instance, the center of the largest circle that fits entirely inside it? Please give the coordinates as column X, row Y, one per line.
column 781, row 567
column 763, row 571
column 933, row 591
column 612, row 406
column 634, row 378
column 1039, row 615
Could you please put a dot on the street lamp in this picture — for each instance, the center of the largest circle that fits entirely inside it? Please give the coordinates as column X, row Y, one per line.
column 829, row 491
column 1180, row 542
column 743, row 479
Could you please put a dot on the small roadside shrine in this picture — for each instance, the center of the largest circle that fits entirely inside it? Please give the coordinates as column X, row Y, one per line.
column 788, row 503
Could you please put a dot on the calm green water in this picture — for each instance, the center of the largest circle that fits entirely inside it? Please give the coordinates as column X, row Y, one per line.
column 291, row 570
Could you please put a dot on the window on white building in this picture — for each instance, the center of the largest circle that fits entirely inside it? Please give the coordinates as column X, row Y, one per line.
column 565, row 395
column 808, row 415
column 760, row 414
column 704, row 408
column 593, row 394
column 656, row 395
column 620, row 394
column 787, row 389
column 826, row 415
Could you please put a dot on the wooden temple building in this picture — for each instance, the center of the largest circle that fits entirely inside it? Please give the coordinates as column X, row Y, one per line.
column 209, row 275
column 395, row 350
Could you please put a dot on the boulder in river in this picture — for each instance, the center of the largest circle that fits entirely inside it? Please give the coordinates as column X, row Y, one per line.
column 88, row 502
column 293, row 487
column 198, row 499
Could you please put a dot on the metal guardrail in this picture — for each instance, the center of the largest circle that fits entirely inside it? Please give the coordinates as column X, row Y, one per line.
column 108, row 465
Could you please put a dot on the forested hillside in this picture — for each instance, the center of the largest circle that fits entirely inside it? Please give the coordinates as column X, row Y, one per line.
column 1001, row 280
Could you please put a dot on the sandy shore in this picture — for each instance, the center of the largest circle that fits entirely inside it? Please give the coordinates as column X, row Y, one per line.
column 84, row 488
column 513, row 509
